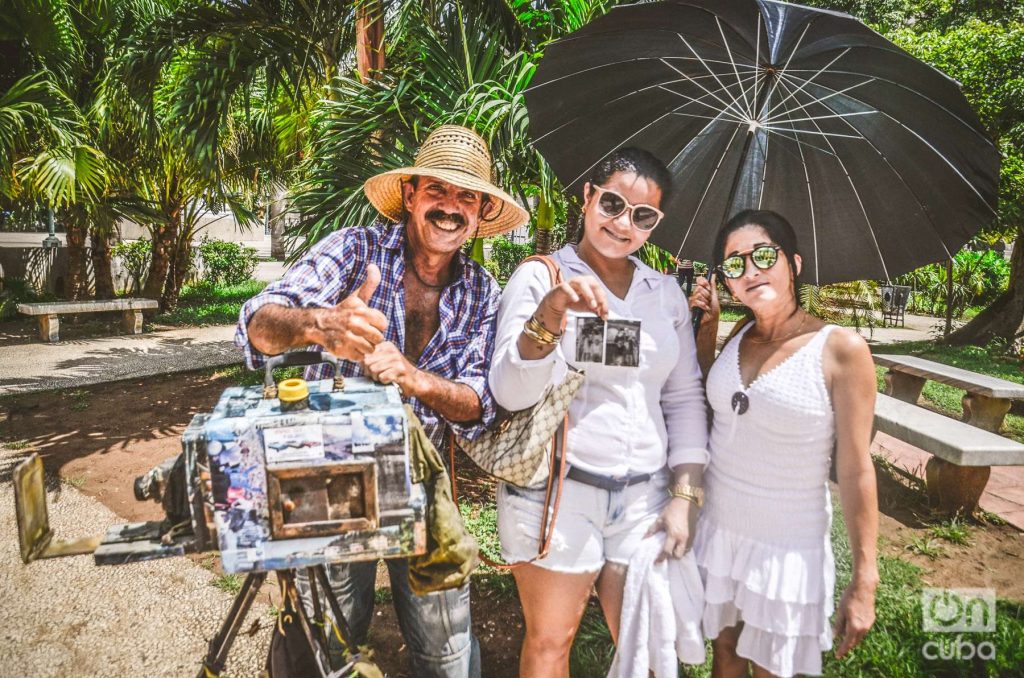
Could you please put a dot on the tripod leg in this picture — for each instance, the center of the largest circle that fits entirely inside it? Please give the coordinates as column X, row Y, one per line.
column 318, row 612
column 221, row 643
column 339, row 617
column 319, row 650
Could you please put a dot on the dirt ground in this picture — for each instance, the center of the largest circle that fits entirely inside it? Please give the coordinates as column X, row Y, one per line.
column 99, row 438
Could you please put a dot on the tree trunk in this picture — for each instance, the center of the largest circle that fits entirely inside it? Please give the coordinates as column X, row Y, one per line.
column 1004, row 316
column 369, row 38
column 102, row 268
column 278, row 209
column 76, row 284
column 165, row 236
column 177, row 273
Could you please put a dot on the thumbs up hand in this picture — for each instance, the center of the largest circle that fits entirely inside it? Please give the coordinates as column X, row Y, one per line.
column 352, row 329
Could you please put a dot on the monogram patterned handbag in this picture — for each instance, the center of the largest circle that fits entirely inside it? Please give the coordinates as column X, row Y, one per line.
column 520, row 448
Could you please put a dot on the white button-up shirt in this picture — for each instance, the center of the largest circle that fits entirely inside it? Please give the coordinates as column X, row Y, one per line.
column 623, row 419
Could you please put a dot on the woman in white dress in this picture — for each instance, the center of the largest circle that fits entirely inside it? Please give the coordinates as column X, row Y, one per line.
column 785, row 391
column 637, row 440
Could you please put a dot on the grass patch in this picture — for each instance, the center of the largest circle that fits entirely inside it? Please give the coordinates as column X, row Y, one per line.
column 79, row 399
column 924, row 546
column 77, row 482
column 229, row 583
column 954, row 530
column 947, row 399
column 482, row 522
column 206, row 304
column 382, row 595
column 17, row 445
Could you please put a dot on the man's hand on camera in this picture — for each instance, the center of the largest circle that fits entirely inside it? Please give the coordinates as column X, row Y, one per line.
column 352, row 329
column 388, row 365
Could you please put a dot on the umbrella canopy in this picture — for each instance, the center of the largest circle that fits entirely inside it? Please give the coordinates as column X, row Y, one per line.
column 876, row 158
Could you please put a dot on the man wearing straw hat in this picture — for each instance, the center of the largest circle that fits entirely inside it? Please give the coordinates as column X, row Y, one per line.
column 402, row 304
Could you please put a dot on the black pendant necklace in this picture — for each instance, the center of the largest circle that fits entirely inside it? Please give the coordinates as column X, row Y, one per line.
column 740, row 402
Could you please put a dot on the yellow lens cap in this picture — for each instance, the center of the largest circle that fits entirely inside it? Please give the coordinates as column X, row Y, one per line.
column 292, row 390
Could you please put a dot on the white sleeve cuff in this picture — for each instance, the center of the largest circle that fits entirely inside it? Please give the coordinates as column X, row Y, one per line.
column 688, row 455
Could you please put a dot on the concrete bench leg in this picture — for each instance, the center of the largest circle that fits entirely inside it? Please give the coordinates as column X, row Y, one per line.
column 49, row 328
column 955, row 489
column 903, row 386
column 131, row 322
column 984, row 412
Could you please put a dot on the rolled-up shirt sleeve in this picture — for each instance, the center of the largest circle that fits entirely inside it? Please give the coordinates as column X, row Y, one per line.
column 518, row 383
column 682, row 396
column 473, row 365
column 321, row 279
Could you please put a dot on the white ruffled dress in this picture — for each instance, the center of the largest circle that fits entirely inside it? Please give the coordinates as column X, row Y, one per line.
column 762, row 543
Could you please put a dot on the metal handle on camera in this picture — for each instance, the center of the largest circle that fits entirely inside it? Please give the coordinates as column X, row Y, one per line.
column 296, row 358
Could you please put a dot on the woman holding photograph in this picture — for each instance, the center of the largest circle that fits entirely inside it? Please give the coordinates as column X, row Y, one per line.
column 785, row 391
column 636, row 445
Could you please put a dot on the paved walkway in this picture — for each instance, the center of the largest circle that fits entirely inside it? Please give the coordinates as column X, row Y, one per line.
column 27, row 364
column 68, row 617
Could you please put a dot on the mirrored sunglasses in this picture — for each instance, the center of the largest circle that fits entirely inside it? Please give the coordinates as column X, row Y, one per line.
column 611, row 205
column 763, row 257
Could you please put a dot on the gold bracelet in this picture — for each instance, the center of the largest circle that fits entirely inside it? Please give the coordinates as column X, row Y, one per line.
column 534, row 330
column 689, row 493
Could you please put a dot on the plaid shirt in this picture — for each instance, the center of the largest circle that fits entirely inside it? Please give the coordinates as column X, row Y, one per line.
column 459, row 351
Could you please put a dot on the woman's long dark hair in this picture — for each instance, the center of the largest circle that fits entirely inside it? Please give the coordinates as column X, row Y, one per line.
column 630, row 159
column 779, row 231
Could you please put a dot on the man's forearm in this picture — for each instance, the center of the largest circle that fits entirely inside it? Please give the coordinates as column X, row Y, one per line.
column 452, row 400
column 275, row 329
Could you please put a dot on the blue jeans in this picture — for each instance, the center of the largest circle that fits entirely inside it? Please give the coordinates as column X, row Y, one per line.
column 436, row 627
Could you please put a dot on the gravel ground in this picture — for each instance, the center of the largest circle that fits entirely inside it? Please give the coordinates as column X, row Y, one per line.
column 66, row 616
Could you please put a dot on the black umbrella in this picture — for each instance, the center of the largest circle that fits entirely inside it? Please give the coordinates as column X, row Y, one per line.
column 875, row 157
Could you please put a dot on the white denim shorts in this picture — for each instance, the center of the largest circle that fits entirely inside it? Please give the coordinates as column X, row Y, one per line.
column 593, row 526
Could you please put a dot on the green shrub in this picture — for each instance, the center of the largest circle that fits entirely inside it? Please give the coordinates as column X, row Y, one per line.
column 978, row 278
column 135, row 257
column 226, row 263
column 14, row 291
column 507, row 255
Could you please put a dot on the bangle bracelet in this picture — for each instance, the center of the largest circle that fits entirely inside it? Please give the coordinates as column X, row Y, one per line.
column 689, row 493
column 540, row 334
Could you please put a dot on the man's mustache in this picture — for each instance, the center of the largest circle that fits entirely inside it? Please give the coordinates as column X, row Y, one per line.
column 441, row 215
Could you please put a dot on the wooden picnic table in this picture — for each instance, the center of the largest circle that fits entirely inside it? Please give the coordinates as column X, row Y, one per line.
column 987, row 398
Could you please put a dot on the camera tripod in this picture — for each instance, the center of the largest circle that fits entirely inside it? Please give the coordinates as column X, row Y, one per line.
column 315, row 634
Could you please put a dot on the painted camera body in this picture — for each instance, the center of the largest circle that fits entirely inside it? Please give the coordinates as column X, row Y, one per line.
column 273, row 489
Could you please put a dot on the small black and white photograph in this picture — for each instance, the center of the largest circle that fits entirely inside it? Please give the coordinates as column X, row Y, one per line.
column 622, row 343
column 589, row 340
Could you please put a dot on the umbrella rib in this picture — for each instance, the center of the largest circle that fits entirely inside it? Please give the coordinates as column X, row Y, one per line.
column 856, row 194
column 775, row 81
column 901, row 86
column 810, row 199
column 729, row 110
column 708, row 69
column 735, row 70
column 917, row 199
column 807, row 82
column 707, row 188
column 825, row 98
column 618, row 63
column 818, row 133
column 629, row 94
column 926, row 143
column 619, row 145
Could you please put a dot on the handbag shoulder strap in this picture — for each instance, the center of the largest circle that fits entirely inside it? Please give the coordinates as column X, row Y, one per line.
column 553, row 270
column 552, row 495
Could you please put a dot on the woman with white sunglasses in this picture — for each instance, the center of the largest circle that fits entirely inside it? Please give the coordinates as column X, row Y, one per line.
column 786, row 391
column 637, row 439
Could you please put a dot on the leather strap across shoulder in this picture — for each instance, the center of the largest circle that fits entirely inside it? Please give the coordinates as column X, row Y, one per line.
column 553, row 270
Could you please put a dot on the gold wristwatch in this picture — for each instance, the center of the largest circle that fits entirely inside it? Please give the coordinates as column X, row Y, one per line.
column 689, row 493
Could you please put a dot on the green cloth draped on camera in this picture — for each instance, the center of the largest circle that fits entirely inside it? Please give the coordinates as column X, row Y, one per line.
column 452, row 552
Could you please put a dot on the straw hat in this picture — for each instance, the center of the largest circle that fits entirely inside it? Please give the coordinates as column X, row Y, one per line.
column 456, row 155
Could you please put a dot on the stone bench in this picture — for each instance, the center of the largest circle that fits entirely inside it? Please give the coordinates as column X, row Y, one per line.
column 962, row 454
column 49, row 324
